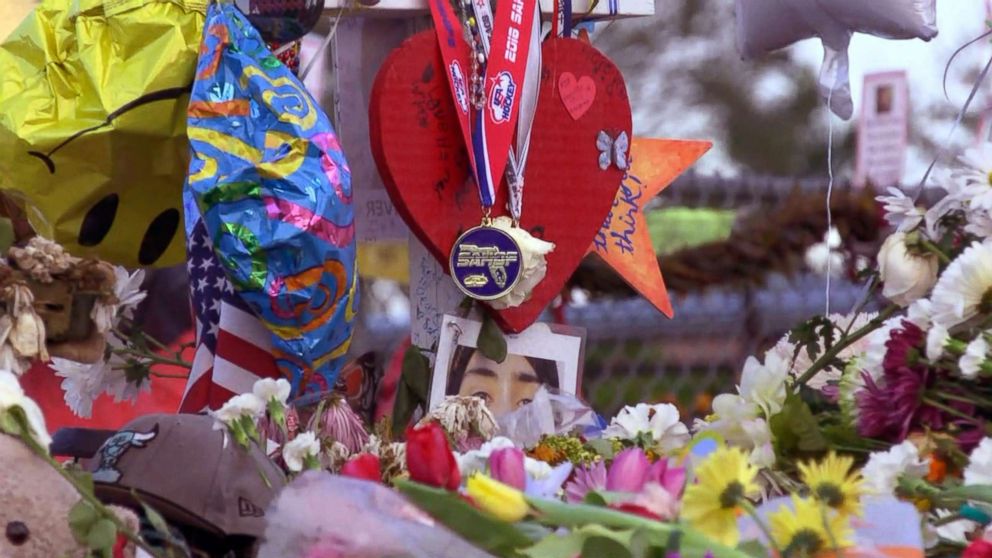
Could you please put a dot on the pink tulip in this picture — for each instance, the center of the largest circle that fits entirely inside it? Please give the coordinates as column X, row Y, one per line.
column 629, row 471
column 672, row 479
column 507, row 466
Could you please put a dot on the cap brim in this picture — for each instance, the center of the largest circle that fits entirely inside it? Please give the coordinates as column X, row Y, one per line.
column 174, row 514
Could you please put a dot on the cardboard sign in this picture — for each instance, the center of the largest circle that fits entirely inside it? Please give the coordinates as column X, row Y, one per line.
column 624, row 240
column 883, row 130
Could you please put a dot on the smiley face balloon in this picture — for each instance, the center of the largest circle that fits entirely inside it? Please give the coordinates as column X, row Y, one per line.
column 93, row 124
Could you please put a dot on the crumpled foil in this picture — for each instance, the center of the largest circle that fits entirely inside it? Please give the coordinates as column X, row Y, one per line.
column 270, row 182
column 93, row 96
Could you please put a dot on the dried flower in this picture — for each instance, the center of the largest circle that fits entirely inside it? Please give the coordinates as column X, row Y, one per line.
column 41, row 258
column 463, row 417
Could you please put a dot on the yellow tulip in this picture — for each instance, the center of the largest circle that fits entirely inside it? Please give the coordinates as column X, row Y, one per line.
column 497, row 499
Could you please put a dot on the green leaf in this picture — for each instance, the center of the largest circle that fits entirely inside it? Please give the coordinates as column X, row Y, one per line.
column 594, row 498
column 155, row 518
column 10, row 424
column 7, row 236
column 754, row 549
column 82, row 517
column 796, row 428
column 601, row 547
column 102, row 535
column 492, row 535
column 603, row 447
column 491, row 343
column 413, row 388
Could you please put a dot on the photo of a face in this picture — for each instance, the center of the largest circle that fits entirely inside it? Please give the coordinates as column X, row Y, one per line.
column 504, row 386
column 884, row 97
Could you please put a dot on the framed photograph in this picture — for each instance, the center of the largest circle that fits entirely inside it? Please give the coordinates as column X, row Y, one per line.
column 544, row 354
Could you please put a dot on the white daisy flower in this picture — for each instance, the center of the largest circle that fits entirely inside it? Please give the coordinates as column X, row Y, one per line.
column 960, row 292
column 901, row 211
column 937, row 338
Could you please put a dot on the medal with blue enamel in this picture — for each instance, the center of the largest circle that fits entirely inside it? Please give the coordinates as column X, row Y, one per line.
column 485, row 263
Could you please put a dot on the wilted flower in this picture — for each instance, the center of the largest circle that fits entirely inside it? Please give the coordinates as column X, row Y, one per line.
column 463, row 417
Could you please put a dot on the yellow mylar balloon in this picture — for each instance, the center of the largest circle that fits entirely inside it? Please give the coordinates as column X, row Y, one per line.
column 93, row 97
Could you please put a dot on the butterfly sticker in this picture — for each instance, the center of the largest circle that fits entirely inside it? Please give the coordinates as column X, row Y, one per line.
column 613, row 151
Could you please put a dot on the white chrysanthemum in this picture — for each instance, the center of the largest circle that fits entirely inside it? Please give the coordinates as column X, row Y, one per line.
column 973, row 358
column 297, row 450
column 959, row 293
column 127, row 294
column 979, row 469
column 82, row 383
column 270, row 389
column 764, row 384
column 884, row 468
column 920, row 312
column 937, row 338
column 662, row 422
column 977, row 175
column 901, row 211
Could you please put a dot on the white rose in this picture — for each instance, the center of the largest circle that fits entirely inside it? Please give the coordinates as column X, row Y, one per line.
column 11, row 395
column 268, row 389
column 907, row 276
column 297, row 450
column 533, row 266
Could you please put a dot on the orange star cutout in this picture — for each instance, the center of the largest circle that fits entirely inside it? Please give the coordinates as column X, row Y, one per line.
column 624, row 241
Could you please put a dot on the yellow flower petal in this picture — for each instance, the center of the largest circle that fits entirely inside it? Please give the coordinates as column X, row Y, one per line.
column 497, row 499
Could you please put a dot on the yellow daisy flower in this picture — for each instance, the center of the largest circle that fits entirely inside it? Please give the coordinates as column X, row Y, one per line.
column 809, row 528
column 711, row 505
column 832, row 482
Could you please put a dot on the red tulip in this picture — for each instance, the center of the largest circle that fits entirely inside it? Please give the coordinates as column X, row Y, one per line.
column 507, row 466
column 979, row 548
column 365, row 466
column 429, row 458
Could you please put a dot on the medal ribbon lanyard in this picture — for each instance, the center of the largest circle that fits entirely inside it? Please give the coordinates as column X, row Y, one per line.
column 517, row 158
column 515, row 40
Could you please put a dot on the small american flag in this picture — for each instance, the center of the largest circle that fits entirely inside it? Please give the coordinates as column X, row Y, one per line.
column 232, row 345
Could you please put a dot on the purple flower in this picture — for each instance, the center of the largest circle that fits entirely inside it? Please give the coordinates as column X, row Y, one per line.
column 671, row 479
column 629, row 471
column 586, row 480
column 341, row 424
column 507, row 466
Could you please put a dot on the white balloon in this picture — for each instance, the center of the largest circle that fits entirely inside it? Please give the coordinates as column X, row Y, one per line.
column 767, row 25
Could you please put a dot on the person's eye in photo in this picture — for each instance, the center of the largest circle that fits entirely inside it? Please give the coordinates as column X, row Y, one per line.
column 503, row 386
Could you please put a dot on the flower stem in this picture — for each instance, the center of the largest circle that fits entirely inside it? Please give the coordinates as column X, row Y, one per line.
column 949, row 410
column 830, row 354
column 935, row 250
column 749, row 508
column 90, row 498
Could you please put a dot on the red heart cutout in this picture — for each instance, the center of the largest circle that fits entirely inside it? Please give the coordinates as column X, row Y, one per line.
column 577, row 94
column 419, row 151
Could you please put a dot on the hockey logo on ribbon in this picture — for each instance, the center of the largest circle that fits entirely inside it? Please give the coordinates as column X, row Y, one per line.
column 458, row 86
column 501, row 97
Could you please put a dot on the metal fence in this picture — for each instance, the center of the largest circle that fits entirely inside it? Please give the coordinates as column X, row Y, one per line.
column 633, row 353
